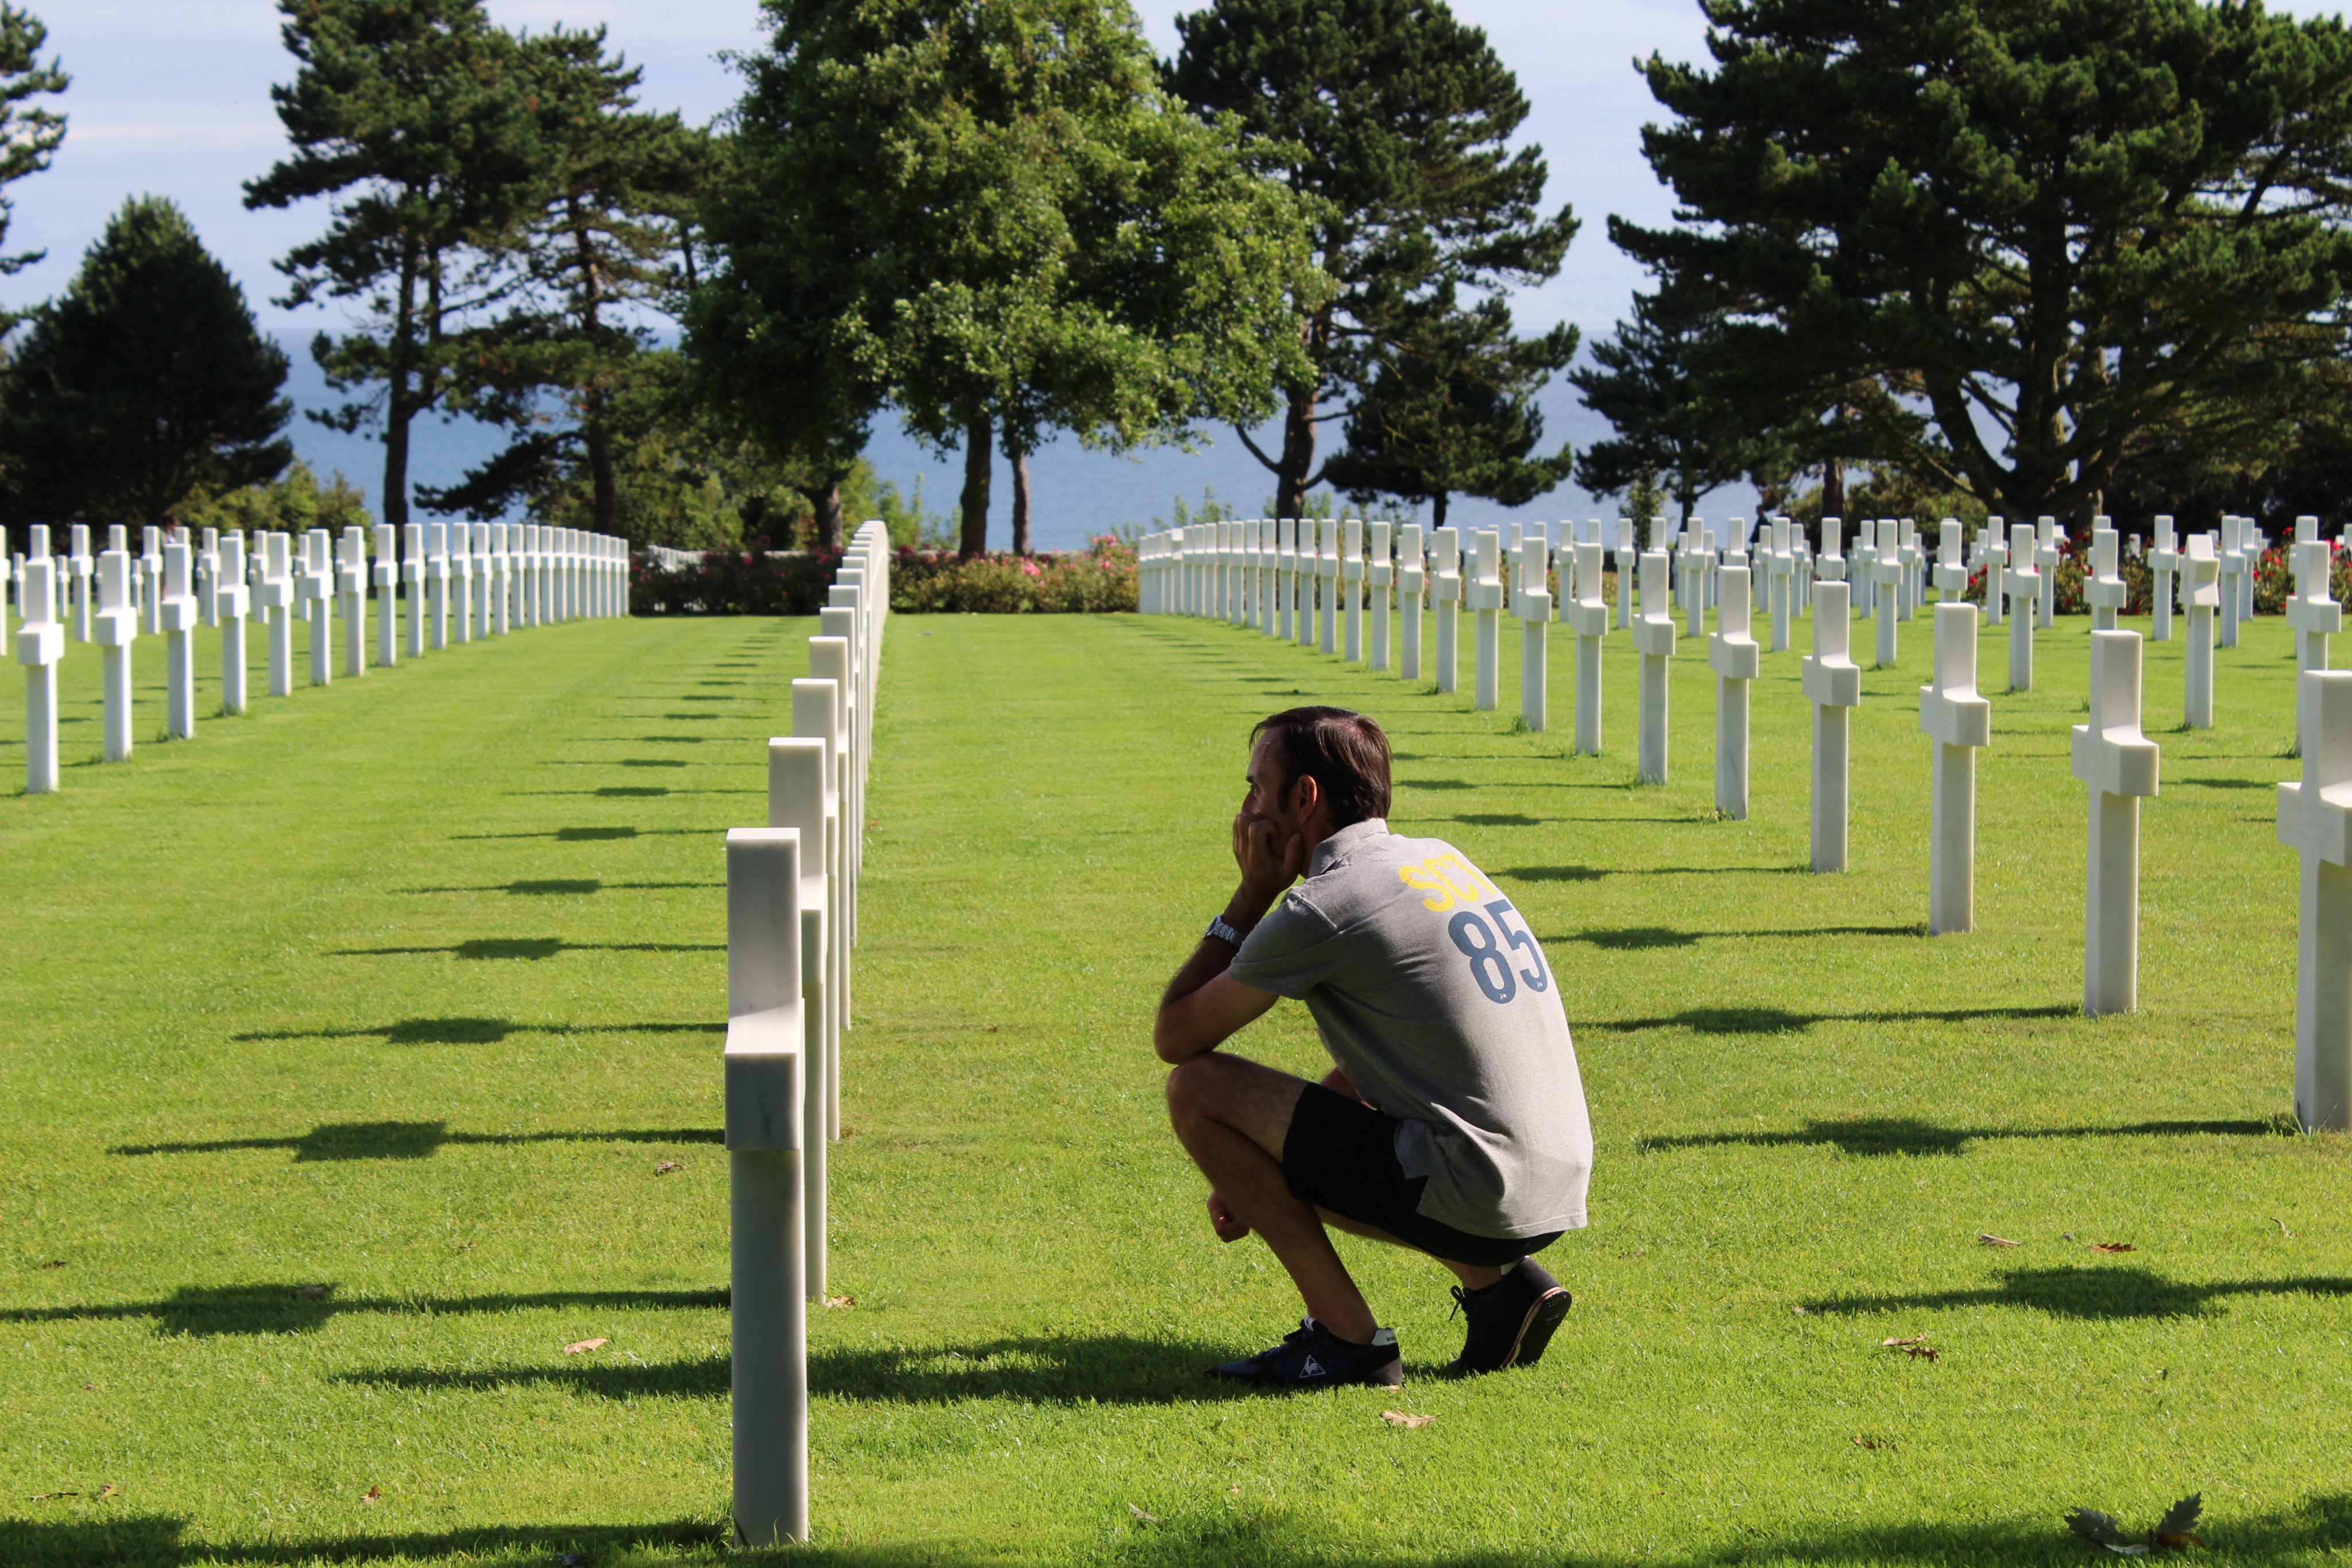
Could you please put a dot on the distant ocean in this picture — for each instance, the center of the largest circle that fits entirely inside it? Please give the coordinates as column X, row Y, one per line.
column 1076, row 493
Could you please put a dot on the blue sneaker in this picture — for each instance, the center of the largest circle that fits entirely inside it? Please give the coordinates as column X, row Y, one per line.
column 1312, row 1356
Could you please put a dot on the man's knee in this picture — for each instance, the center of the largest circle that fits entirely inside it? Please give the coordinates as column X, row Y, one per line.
column 1194, row 1085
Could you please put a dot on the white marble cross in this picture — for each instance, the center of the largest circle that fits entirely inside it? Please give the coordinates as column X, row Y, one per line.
column 1411, row 570
column 1959, row 722
column 1906, row 551
column 1864, row 568
column 208, row 578
column 1782, row 564
column 1327, row 577
column 275, row 599
column 436, row 585
column 1733, row 655
column 2022, row 581
column 151, row 578
column 2119, row 764
column 1992, row 555
column 1531, row 604
column 1286, row 575
column 1830, row 565
column 319, row 588
column 175, row 613
column 2315, row 819
column 1588, row 617
column 1485, row 591
column 79, row 565
column 1446, row 582
column 1629, row 562
column 1951, row 572
column 386, row 576
column 2106, row 590
column 1351, row 585
column 2162, row 562
column 232, row 602
column 116, row 627
column 351, row 587
column 1832, row 684
column 40, row 644
column 1382, row 579
column 2045, row 560
column 2315, row 615
column 2201, row 601
column 2234, row 568
column 412, row 579
column 1892, row 571
column 1653, row 639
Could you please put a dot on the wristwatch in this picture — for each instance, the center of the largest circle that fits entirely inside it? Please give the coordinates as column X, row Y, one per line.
column 1223, row 932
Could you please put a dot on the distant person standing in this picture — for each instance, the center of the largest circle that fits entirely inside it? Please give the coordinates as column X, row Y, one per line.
column 1453, row 1122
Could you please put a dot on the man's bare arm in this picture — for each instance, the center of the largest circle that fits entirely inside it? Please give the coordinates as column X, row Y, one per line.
column 1204, row 1006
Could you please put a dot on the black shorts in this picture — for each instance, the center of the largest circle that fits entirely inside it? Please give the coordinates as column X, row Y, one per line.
column 1341, row 1155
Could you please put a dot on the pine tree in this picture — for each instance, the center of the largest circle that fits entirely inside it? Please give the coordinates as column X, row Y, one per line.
column 28, row 136
column 414, row 114
column 1400, row 118
column 599, row 245
column 1645, row 382
column 146, row 383
column 1452, row 411
column 2051, row 236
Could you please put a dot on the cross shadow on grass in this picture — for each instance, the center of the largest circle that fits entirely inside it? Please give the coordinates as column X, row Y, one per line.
column 530, row 948
column 594, row 835
column 1595, row 873
column 1637, row 938
column 205, row 1311
column 1909, row 1135
column 2124, row 1290
column 410, row 1141
column 160, row 1541
column 472, row 1031
column 1780, row 1020
column 542, row 887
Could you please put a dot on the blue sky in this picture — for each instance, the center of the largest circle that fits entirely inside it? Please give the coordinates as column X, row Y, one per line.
column 171, row 97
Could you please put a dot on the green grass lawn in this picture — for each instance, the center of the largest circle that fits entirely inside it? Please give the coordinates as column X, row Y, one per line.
column 342, row 1047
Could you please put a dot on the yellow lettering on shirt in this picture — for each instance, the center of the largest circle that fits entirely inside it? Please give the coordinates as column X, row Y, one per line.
column 1417, row 876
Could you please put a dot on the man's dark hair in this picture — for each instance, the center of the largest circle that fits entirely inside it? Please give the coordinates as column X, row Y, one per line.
column 1345, row 753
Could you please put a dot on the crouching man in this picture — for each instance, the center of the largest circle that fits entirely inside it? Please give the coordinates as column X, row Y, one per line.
column 1453, row 1122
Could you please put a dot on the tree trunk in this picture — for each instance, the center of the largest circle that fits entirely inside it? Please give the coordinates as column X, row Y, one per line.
column 607, row 493
column 1020, row 502
column 1438, row 510
column 1833, row 489
column 976, row 457
column 1297, row 457
column 824, row 513
column 605, row 502
column 397, row 407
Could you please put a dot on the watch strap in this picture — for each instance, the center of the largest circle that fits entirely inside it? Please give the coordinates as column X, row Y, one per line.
column 1223, row 932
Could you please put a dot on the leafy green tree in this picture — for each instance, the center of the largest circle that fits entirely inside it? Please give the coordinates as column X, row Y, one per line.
column 1452, row 411
column 295, row 503
column 987, row 213
column 2055, row 236
column 597, row 246
column 416, row 117
column 1400, row 120
column 1645, row 382
column 29, row 135
column 144, row 383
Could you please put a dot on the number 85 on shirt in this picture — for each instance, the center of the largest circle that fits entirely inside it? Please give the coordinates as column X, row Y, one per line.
column 1453, row 885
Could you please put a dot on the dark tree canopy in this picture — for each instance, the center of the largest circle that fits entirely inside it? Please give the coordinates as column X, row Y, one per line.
column 1401, row 117
column 414, row 117
column 1645, row 381
column 30, row 134
column 2056, row 236
column 145, row 383
column 1452, row 411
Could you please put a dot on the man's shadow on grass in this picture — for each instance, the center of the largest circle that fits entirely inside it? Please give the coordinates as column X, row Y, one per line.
column 2092, row 1291
column 1882, row 1135
column 471, row 1030
column 412, row 1141
column 204, row 1311
column 1034, row 1369
column 1639, row 938
column 1780, row 1020
column 1184, row 1532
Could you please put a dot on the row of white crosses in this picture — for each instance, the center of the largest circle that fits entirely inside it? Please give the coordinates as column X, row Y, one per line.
column 791, row 922
column 474, row 581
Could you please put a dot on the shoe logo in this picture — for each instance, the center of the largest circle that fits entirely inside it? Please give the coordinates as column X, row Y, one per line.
column 1311, row 1368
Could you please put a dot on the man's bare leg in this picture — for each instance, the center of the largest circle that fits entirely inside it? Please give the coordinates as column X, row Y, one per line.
column 1473, row 1277
column 1232, row 1116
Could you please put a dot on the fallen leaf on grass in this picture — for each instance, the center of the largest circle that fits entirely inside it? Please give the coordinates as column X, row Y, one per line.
column 1146, row 1517
column 371, row 1495
column 110, row 1490
column 2171, row 1533
column 1405, row 1418
column 309, row 1290
column 1989, row 1240
column 54, row 1264
column 46, row 1496
column 1870, row 1442
column 90, row 1386
column 840, row 1300
column 2282, row 1225
column 2113, row 1247
column 1799, row 1310
column 583, row 1346
column 669, row 1166
column 1235, row 1490
column 1916, row 1347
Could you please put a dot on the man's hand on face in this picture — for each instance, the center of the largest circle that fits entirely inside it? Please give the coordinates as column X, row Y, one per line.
column 1269, row 859
column 1228, row 1225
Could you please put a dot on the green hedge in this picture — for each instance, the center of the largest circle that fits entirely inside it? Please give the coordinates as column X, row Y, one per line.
column 729, row 582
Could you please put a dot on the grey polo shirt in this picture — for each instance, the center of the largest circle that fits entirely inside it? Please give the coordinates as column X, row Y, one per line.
column 1433, row 998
